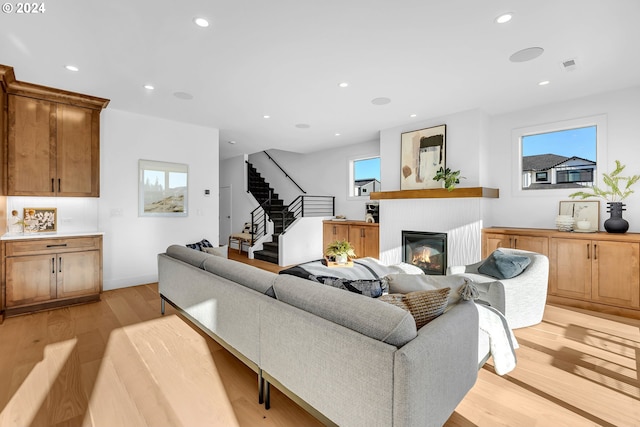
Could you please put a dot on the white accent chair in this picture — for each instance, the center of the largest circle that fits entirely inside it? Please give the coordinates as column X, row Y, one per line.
column 522, row 298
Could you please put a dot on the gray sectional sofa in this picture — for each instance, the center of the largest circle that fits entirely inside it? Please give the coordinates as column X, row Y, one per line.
column 348, row 359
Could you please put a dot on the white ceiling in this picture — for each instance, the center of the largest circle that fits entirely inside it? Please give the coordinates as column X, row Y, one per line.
column 285, row 58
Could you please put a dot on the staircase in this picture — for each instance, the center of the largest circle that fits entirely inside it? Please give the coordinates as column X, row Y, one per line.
column 274, row 208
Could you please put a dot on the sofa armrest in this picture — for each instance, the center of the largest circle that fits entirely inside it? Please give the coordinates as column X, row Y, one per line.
column 434, row 372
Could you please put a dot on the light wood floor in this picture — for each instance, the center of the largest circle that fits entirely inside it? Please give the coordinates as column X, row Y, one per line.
column 119, row 362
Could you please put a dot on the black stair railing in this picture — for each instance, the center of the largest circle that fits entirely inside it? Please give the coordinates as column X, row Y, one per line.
column 284, row 172
column 308, row 206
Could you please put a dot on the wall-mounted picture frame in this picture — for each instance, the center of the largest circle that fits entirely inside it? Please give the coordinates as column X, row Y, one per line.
column 423, row 152
column 40, row 220
column 163, row 188
column 581, row 211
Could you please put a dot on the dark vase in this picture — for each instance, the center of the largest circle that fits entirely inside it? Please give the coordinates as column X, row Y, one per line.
column 616, row 224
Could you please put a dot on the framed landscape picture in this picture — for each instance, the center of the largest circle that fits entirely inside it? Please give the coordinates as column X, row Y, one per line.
column 422, row 154
column 162, row 188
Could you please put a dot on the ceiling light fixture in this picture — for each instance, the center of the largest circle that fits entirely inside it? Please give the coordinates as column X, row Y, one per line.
column 266, row 116
column 337, row 134
column 201, row 22
column 303, row 126
column 344, row 84
column 544, row 83
column 412, row 115
column 149, row 87
column 504, row 18
column 71, row 68
column 231, row 142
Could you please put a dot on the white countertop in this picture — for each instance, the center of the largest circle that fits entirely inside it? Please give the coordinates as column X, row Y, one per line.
column 46, row 235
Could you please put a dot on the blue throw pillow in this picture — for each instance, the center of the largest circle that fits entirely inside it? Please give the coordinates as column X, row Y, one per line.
column 503, row 266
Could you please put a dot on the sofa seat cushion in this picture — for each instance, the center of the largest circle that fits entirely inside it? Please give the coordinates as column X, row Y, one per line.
column 246, row 275
column 367, row 316
column 185, row 254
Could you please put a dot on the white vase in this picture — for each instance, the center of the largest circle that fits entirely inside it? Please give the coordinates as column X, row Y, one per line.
column 341, row 259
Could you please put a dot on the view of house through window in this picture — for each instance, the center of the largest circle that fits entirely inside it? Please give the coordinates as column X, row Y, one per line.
column 559, row 159
column 366, row 176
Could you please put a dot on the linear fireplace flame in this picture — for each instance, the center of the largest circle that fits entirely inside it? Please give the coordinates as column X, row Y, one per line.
column 425, row 250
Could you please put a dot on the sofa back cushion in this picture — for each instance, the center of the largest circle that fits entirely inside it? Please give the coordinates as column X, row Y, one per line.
column 190, row 256
column 246, row 275
column 367, row 316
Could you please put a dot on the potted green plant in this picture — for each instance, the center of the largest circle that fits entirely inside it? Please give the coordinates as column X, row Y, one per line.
column 618, row 189
column 341, row 251
column 449, row 177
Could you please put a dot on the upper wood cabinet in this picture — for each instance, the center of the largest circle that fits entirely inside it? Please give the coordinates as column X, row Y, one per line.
column 53, row 141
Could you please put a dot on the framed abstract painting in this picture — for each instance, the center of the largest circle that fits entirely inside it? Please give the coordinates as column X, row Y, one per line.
column 422, row 154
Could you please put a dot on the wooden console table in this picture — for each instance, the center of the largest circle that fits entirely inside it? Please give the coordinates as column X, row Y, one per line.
column 596, row 271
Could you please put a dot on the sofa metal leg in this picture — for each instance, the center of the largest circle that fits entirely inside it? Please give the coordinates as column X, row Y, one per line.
column 260, row 387
column 162, row 306
column 267, row 396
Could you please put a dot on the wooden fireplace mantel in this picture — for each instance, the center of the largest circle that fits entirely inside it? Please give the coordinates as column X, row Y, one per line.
column 437, row 193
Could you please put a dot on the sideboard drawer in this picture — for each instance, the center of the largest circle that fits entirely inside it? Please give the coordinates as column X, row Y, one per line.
column 45, row 246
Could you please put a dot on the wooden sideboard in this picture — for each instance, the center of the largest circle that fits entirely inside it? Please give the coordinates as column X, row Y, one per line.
column 43, row 273
column 596, row 271
column 363, row 236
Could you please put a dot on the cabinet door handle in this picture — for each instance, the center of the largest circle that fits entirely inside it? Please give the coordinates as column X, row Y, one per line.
column 362, row 232
column 595, row 251
column 59, row 186
column 515, row 243
column 61, row 245
column 60, row 265
column 588, row 251
column 53, row 189
column 53, row 265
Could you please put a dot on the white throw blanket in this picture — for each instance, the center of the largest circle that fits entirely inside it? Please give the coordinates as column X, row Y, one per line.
column 502, row 342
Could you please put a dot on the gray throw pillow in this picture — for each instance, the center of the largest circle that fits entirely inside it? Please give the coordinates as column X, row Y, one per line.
column 503, row 266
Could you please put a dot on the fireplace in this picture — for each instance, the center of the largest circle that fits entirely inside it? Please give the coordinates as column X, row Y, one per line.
column 425, row 250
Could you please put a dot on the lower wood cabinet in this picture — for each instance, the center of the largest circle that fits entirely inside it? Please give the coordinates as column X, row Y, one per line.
column 363, row 236
column 597, row 271
column 53, row 272
column 493, row 241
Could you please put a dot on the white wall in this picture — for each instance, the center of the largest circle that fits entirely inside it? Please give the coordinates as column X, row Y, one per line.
column 622, row 109
column 131, row 243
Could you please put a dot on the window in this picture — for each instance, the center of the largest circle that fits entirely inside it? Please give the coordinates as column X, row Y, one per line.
column 562, row 156
column 364, row 176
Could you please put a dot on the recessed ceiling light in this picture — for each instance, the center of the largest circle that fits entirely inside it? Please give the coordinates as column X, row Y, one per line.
column 344, row 84
column 183, row 95
column 380, row 101
column 149, row 87
column 71, row 68
column 544, row 83
column 303, row 126
column 337, row 134
column 504, row 18
column 201, row 22
column 266, row 116
column 231, row 142
column 526, row 54
column 412, row 115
